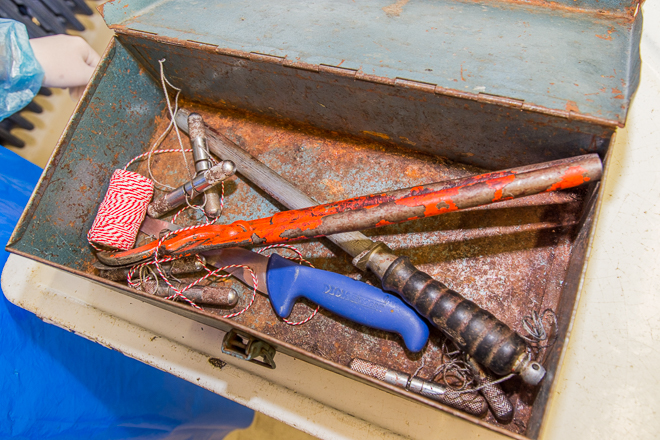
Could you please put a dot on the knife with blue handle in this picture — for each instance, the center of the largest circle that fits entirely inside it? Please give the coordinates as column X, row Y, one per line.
column 285, row 282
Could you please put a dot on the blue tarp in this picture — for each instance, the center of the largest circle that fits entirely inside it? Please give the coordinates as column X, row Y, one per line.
column 56, row 385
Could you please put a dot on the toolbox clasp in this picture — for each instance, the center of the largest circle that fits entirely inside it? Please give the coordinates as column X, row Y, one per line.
column 249, row 348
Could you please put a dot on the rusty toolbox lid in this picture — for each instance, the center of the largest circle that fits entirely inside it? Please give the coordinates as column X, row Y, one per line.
column 570, row 58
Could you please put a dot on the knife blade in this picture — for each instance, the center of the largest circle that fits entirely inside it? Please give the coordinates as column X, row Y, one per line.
column 285, row 282
column 153, row 226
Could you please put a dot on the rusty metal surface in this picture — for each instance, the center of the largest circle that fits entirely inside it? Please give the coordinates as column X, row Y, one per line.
column 520, row 256
column 510, row 260
column 484, row 134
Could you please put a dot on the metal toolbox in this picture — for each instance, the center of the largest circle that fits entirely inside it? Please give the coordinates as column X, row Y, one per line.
column 346, row 99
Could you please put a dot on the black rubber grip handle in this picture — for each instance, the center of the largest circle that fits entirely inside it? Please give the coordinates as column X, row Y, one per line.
column 474, row 330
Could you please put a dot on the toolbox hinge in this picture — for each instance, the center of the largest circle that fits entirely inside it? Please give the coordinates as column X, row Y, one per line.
column 485, row 98
column 300, row 65
column 340, row 71
column 374, row 78
column 248, row 348
column 121, row 29
column 547, row 111
column 415, row 85
column 500, row 100
column 265, row 58
column 204, row 46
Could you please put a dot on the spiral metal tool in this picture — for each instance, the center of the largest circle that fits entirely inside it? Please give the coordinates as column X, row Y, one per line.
column 469, row 401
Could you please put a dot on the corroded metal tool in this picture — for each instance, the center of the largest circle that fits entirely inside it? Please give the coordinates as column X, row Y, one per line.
column 476, row 331
column 197, row 132
column 189, row 190
column 469, row 401
column 176, row 267
column 214, row 295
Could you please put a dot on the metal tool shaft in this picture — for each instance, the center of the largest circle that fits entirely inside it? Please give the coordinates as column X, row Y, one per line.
column 197, row 132
column 175, row 267
column 189, row 190
column 366, row 212
column 219, row 296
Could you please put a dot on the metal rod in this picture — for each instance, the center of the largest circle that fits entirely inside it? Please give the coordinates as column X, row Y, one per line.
column 369, row 211
column 189, row 190
column 219, row 296
column 212, row 205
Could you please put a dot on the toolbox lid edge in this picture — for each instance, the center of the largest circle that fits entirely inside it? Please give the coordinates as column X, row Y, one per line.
column 580, row 64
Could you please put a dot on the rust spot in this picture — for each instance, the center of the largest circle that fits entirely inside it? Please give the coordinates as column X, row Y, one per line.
column 380, row 135
column 572, row 106
column 217, row 363
column 407, row 141
column 610, row 31
column 395, row 9
column 499, row 184
column 334, row 186
column 462, row 78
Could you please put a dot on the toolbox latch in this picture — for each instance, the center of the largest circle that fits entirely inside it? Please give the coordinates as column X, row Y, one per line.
column 248, row 348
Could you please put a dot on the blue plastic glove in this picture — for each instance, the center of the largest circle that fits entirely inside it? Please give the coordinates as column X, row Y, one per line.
column 20, row 72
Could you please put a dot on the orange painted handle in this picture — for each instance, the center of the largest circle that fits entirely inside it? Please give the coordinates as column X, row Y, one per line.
column 370, row 211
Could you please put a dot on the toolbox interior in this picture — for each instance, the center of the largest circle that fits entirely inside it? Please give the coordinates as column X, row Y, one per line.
column 336, row 137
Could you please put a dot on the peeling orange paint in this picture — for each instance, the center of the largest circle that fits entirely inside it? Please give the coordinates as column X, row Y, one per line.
column 573, row 177
column 572, row 106
column 499, row 184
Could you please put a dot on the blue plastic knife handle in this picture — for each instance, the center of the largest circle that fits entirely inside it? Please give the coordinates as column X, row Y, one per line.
column 356, row 301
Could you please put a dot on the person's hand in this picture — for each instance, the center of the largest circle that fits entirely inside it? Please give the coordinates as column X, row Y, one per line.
column 68, row 62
